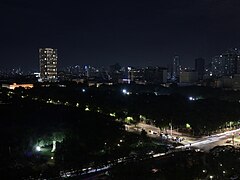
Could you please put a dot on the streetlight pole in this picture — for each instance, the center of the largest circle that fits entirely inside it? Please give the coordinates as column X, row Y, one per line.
column 170, row 124
column 233, row 139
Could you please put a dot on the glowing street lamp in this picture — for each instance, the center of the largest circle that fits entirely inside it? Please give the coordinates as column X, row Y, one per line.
column 124, row 91
column 38, row 148
column 188, row 126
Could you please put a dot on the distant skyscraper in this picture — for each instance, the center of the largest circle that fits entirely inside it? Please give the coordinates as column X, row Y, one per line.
column 176, row 68
column 155, row 75
column 200, row 67
column 188, row 76
column 48, row 64
column 226, row 64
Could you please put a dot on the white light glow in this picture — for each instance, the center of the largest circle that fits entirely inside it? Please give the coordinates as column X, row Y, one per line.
column 124, row 91
column 38, row 148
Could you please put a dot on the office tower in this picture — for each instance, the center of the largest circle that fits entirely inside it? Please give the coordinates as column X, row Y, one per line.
column 116, row 73
column 48, row 64
column 200, row 67
column 155, row 75
column 136, row 75
column 226, row 64
column 176, row 68
column 188, row 76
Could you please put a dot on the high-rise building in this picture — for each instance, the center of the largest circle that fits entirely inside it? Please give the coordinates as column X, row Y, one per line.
column 226, row 64
column 48, row 64
column 136, row 74
column 188, row 76
column 200, row 67
column 176, row 68
column 155, row 75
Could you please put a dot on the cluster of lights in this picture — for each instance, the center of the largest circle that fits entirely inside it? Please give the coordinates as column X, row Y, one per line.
column 120, row 142
column 38, row 148
column 124, row 91
column 191, row 98
column 87, row 108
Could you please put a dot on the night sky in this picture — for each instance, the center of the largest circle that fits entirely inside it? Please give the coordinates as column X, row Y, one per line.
column 100, row 33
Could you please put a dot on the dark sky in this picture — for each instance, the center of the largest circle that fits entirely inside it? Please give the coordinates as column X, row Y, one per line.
column 100, row 33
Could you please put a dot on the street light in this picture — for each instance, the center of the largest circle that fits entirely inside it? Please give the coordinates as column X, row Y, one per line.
column 211, row 177
column 38, row 148
column 124, row 91
column 170, row 124
column 191, row 98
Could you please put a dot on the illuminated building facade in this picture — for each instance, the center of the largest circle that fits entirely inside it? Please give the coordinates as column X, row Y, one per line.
column 48, row 64
column 14, row 85
column 226, row 64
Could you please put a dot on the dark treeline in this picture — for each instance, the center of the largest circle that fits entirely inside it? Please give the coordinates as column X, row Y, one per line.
column 26, row 123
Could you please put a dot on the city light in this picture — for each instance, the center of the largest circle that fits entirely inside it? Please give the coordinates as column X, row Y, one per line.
column 191, row 98
column 188, row 126
column 124, row 91
column 136, row 90
column 38, row 148
column 113, row 114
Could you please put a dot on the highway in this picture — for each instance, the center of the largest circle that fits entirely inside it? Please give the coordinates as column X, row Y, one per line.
column 207, row 143
column 204, row 143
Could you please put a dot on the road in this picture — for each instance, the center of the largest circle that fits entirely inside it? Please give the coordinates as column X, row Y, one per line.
column 207, row 143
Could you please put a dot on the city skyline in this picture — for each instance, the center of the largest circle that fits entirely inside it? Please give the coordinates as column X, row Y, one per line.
column 102, row 33
column 139, row 89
